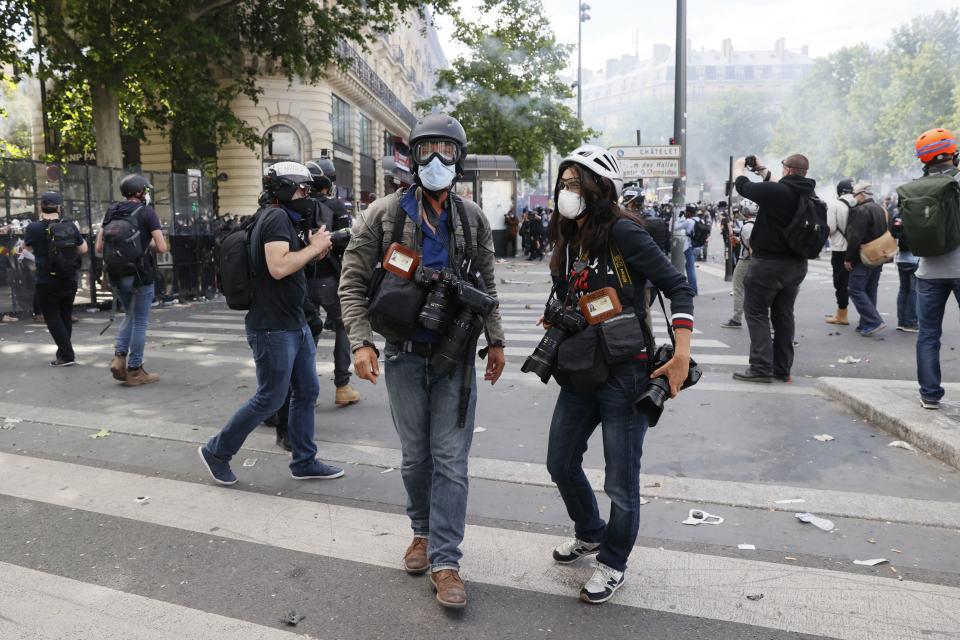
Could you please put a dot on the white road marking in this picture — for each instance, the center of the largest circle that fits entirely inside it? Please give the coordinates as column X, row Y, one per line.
column 43, row 606
column 730, row 493
column 850, row 606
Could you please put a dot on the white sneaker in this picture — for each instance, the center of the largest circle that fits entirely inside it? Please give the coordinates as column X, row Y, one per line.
column 574, row 550
column 602, row 584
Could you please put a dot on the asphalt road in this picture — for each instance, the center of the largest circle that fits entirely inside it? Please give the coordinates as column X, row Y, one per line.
column 82, row 558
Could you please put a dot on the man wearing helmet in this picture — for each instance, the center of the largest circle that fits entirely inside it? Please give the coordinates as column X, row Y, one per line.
column 433, row 415
column 283, row 348
column 939, row 273
column 133, row 283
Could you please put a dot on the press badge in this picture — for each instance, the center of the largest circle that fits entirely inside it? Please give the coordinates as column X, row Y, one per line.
column 401, row 261
column 600, row 305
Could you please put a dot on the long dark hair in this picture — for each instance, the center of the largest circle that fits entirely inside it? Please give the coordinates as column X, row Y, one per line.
column 602, row 211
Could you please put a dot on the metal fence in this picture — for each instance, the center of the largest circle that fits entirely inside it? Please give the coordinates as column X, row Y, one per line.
column 183, row 203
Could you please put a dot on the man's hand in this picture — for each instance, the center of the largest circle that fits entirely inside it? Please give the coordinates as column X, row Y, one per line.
column 365, row 364
column 496, row 361
column 739, row 167
column 848, row 265
column 320, row 241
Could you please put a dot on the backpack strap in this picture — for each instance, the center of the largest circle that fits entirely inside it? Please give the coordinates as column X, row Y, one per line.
column 465, row 225
column 398, row 222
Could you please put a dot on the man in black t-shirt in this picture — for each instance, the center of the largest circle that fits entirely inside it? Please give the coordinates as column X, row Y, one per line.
column 283, row 347
column 56, row 288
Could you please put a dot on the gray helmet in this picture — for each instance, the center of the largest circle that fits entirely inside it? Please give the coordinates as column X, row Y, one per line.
column 844, row 186
column 281, row 180
column 134, row 184
column 440, row 125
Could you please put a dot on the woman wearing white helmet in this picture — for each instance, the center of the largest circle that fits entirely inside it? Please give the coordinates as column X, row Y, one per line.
column 603, row 259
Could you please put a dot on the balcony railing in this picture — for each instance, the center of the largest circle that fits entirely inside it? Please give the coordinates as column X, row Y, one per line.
column 369, row 79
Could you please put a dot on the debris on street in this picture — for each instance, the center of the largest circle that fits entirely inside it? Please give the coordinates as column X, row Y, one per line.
column 698, row 516
column 789, row 501
column 820, row 523
column 755, row 596
column 849, row 360
column 747, row 547
column 142, row 499
column 249, row 462
column 292, row 618
column 900, row 444
column 103, row 433
column 870, row 563
column 824, row 437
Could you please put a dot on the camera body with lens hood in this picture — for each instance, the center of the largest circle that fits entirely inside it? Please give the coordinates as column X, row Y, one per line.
column 657, row 392
column 564, row 322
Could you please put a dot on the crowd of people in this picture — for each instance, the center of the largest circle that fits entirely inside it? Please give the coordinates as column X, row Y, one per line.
column 418, row 269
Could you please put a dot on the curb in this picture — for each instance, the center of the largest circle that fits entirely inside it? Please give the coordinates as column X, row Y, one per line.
column 881, row 402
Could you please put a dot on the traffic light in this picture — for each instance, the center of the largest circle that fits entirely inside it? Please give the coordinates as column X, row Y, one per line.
column 673, row 141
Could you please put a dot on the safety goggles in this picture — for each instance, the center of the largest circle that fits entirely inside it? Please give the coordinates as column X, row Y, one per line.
column 447, row 150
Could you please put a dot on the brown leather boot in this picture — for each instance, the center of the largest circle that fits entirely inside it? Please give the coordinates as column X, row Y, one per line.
column 347, row 395
column 840, row 317
column 139, row 376
column 415, row 557
column 118, row 367
column 449, row 587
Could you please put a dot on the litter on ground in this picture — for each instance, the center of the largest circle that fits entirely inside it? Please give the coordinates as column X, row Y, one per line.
column 103, row 433
column 824, row 437
column 820, row 523
column 698, row 516
column 849, row 360
column 900, row 444
column 747, row 547
column 870, row 563
column 789, row 501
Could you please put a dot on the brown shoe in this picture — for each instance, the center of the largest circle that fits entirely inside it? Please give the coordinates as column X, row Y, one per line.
column 139, row 376
column 415, row 557
column 449, row 588
column 347, row 395
column 118, row 367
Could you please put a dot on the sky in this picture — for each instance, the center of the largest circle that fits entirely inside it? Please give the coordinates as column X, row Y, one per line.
column 823, row 25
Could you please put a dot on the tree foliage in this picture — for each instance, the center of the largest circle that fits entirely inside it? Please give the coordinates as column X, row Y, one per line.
column 507, row 91
column 860, row 110
column 176, row 65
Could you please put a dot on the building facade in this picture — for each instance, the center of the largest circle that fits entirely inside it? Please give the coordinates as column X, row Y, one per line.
column 359, row 116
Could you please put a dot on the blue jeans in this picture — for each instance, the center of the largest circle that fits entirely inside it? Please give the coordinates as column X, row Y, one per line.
column 136, row 301
column 575, row 417
column 690, row 258
column 932, row 296
column 434, row 449
column 285, row 360
column 863, row 285
column 907, row 296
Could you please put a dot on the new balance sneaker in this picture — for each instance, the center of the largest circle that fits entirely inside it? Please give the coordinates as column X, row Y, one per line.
column 575, row 549
column 316, row 470
column 929, row 404
column 602, row 584
column 218, row 469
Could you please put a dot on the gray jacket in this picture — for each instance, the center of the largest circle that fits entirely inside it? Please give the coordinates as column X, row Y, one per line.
column 372, row 237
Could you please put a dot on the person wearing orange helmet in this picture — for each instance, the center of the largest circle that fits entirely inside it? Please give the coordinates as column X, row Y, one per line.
column 938, row 275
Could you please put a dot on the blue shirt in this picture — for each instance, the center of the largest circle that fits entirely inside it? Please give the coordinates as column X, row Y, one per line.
column 434, row 251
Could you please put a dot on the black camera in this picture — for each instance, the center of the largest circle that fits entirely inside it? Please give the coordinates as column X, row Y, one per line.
column 340, row 239
column 473, row 305
column 437, row 311
column 658, row 389
column 565, row 322
column 750, row 162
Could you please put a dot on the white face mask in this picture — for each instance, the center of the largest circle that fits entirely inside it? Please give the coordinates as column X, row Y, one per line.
column 570, row 205
column 436, row 176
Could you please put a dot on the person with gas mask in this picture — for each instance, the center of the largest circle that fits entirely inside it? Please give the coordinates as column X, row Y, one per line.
column 284, row 350
column 323, row 276
column 419, row 270
column 605, row 360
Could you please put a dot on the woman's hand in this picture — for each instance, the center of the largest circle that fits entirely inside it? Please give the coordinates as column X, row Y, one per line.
column 542, row 323
column 676, row 371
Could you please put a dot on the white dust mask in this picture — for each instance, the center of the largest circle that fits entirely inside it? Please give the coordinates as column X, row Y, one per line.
column 570, row 204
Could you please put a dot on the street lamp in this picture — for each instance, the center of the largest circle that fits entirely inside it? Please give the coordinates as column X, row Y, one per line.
column 584, row 16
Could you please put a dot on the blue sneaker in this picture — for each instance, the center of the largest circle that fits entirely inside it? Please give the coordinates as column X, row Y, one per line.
column 218, row 469
column 316, row 470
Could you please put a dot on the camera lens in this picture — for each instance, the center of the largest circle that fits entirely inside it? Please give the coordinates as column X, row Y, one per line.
column 450, row 351
column 435, row 312
column 544, row 356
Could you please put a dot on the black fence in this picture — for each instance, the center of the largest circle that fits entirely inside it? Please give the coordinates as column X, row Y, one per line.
column 184, row 204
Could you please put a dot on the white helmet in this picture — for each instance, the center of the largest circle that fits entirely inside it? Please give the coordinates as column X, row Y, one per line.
column 599, row 161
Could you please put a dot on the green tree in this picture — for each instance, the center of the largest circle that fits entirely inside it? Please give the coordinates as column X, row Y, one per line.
column 178, row 64
column 507, row 91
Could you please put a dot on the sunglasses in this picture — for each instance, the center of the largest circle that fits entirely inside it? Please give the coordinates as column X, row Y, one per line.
column 447, row 150
column 570, row 184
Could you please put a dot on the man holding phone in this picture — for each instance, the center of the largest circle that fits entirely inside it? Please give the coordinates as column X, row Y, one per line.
column 283, row 347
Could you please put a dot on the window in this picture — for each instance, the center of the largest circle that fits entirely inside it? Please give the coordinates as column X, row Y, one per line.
column 341, row 122
column 280, row 143
column 366, row 131
column 729, row 72
column 711, row 73
column 748, row 72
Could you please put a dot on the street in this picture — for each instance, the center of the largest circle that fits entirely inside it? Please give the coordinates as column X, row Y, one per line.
column 110, row 528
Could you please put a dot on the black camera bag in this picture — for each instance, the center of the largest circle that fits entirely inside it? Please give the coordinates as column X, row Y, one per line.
column 581, row 365
column 395, row 302
column 623, row 337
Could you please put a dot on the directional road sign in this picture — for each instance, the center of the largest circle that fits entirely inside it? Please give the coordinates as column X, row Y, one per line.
column 650, row 168
column 643, row 153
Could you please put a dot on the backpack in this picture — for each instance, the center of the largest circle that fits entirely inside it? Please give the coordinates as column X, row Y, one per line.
column 122, row 250
column 701, row 231
column 807, row 232
column 236, row 265
column 930, row 209
column 659, row 230
column 63, row 256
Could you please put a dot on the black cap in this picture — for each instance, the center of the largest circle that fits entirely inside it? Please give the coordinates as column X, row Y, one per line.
column 844, row 186
column 51, row 199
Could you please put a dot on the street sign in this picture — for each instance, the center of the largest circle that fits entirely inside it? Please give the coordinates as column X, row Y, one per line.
column 650, row 168
column 642, row 153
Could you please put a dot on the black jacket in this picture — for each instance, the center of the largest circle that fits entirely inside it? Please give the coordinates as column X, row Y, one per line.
column 778, row 204
column 867, row 222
